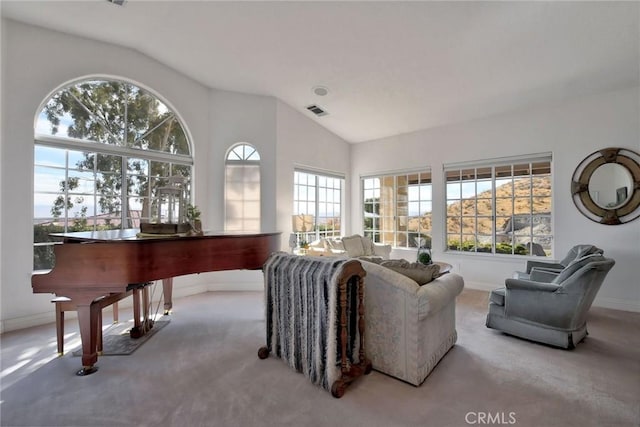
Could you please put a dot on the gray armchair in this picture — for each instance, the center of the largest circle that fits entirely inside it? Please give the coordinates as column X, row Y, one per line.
column 550, row 311
column 575, row 253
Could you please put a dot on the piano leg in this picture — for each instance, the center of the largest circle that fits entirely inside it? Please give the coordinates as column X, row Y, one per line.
column 140, row 299
column 88, row 314
column 147, row 323
column 167, row 289
column 136, row 331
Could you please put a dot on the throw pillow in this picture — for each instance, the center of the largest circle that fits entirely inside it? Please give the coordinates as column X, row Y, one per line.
column 367, row 245
column 353, row 246
column 420, row 273
column 335, row 244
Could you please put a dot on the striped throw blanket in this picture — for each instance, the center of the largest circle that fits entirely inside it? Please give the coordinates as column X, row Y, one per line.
column 303, row 317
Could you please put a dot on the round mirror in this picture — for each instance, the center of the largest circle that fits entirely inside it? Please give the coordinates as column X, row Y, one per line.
column 606, row 186
column 610, row 185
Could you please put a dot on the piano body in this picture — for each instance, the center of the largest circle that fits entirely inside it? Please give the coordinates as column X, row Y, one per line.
column 90, row 265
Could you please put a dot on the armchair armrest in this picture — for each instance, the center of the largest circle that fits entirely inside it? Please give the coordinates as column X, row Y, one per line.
column 543, row 275
column 382, row 250
column 528, row 285
column 543, row 264
column 338, row 252
column 535, row 302
column 436, row 295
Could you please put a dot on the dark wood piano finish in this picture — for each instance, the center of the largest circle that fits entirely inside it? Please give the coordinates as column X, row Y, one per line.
column 90, row 265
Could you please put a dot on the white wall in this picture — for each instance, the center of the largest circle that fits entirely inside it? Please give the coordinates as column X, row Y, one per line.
column 2, row 145
column 571, row 131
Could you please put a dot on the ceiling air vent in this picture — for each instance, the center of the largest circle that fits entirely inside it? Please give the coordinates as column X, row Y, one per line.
column 118, row 2
column 317, row 110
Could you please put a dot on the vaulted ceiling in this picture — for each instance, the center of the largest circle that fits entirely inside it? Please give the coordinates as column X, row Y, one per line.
column 390, row 67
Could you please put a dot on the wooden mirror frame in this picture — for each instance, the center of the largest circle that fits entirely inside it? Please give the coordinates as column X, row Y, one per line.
column 627, row 211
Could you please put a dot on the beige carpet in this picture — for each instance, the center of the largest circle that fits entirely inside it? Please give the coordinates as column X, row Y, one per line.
column 202, row 370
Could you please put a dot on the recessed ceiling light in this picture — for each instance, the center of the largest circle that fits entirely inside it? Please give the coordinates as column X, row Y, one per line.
column 320, row 90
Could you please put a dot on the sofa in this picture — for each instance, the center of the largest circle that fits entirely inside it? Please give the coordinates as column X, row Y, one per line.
column 355, row 246
column 408, row 327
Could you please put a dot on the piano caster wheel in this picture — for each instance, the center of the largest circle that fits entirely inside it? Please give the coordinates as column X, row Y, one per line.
column 87, row 370
column 135, row 333
column 263, row 352
column 167, row 312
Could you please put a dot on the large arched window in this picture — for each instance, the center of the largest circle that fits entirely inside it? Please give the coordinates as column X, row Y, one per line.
column 242, row 189
column 102, row 148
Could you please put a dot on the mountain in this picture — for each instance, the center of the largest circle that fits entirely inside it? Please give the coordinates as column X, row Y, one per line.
column 510, row 212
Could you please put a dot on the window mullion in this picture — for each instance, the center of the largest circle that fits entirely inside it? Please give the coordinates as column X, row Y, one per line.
column 513, row 208
column 152, row 129
column 395, row 211
column 494, row 206
column 124, row 190
column 95, row 191
column 65, row 192
column 317, row 206
column 475, row 208
column 126, row 116
column 460, row 216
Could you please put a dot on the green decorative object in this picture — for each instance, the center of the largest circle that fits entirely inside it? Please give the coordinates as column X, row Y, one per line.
column 193, row 217
column 424, row 256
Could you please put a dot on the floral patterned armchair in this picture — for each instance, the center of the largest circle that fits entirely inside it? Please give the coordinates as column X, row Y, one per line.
column 408, row 328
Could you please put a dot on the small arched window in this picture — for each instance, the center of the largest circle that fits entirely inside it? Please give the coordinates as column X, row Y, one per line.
column 242, row 188
column 101, row 149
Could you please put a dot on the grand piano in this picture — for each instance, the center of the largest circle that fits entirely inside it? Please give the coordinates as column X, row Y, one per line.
column 105, row 265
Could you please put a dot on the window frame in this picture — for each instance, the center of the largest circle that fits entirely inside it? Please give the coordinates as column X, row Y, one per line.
column 399, row 238
column 243, row 159
column 501, row 237
column 318, row 189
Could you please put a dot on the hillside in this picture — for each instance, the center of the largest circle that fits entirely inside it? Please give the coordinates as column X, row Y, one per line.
column 507, row 209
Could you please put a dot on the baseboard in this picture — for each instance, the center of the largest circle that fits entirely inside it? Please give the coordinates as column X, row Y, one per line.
column 236, row 286
column 38, row 319
column 9, row 325
column 479, row 286
column 605, row 302
column 617, row 304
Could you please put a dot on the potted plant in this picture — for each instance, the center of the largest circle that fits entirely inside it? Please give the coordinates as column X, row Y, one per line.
column 193, row 217
column 424, row 256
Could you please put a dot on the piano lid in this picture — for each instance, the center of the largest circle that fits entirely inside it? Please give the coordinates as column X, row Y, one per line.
column 134, row 234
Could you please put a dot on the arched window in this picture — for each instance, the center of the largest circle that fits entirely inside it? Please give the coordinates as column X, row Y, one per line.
column 242, row 188
column 102, row 148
